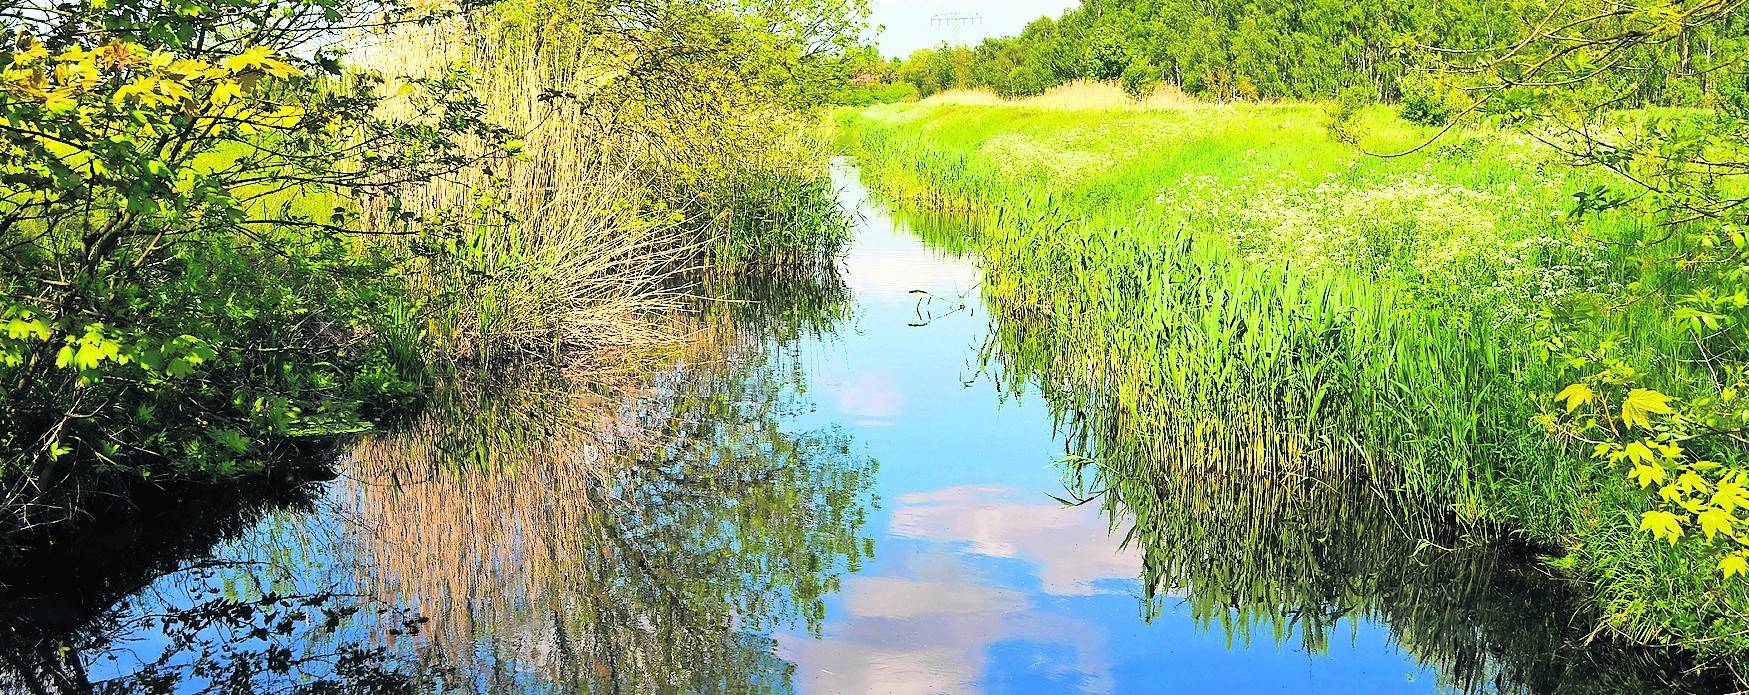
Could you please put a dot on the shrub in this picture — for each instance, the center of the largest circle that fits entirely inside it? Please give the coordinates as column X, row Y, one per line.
column 1425, row 102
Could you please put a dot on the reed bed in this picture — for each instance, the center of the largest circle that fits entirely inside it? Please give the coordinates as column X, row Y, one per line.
column 1237, row 266
column 618, row 204
column 1262, row 553
column 1270, row 532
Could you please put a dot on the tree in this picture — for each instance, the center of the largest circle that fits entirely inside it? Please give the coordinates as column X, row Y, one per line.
column 195, row 197
column 1669, row 414
column 178, row 192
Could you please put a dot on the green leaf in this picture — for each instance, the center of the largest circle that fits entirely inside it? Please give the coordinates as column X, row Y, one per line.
column 1714, row 521
column 1576, row 395
column 1733, row 564
column 1639, row 453
column 1663, row 525
column 1641, row 404
column 1647, row 474
column 19, row 329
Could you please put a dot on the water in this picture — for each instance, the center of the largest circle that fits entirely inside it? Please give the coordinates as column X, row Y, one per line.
column 843, row 488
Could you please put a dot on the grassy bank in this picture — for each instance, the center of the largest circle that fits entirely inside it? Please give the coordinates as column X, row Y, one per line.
column 290, row 244
column 1215, row 271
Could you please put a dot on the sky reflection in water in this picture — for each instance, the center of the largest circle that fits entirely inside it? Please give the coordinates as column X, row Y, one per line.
column 981, row 582
column 741, row 536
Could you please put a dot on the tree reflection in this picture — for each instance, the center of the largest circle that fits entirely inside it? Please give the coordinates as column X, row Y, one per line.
column 547, row 532
column 637, row 540
column 146, row 598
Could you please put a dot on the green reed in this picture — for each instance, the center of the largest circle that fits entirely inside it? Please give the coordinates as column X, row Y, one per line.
column 1179, row 325
column 1209, row 268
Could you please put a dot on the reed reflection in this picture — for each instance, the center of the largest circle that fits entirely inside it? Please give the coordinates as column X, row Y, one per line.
column 1266, row 530
column 634, row 539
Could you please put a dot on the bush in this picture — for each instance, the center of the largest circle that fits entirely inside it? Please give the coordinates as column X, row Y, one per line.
column 879, row 93
column 1425, row 102
column 1140, row 78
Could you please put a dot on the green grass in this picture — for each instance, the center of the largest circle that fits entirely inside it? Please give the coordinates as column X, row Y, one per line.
column 1215, row 270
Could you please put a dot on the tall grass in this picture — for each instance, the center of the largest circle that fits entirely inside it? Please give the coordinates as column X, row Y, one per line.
column 618, row 205
column 1227, row 522
column 1078, row 95
column 1237, row 266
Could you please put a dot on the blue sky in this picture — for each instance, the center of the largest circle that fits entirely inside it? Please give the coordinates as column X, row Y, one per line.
column 908, row 25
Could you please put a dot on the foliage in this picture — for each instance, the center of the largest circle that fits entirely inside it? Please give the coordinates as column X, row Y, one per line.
column 1427, row 102
column 177, row 275
column 224, row 236
column 1224, row 262
column 878, row 93
column 1677, row 329
column 1252, row 49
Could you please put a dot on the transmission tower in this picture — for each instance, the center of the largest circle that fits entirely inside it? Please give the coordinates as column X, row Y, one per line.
column 955, row 23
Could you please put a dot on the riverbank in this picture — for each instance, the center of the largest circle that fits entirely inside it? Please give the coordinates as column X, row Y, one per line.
column 843, row 479
column 1217, row 271
column 302, row 245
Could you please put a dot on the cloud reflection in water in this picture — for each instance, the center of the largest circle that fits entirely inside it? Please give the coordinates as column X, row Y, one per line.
column 936, row 625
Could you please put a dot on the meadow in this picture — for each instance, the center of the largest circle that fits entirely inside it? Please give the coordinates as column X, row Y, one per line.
column 1209, row 272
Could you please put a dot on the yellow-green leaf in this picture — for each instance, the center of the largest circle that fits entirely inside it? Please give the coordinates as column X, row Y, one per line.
column 259, row 58
column 1647, row 473
column 1641, row 404
column 1733, row 564
column 1576, row 395
column 1731, row 495
column 224, row 92
column 1714, row 520
column 1638, row 452
column 1663, row 525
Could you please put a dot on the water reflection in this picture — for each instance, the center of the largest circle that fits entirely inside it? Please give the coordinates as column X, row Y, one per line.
column 645, row 541
column 714, row 527
column 597, row 566
column 1265, row 534
column 540, row 534
column 943, row 621
column 1070, row 551
column 145, row 600
column 941, row 632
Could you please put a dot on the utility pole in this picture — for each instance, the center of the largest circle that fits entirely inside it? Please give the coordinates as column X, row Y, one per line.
column 955, row 23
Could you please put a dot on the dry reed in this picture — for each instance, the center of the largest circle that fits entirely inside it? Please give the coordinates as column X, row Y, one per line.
column 1079, row 95
column 599, row 246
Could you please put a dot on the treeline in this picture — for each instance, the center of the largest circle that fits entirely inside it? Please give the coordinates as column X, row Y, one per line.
column 1257, row 49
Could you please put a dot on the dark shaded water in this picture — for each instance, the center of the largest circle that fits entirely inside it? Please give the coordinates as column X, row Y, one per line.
column 847, row 486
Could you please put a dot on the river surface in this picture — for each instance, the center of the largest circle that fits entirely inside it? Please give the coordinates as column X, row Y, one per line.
column 837, row 487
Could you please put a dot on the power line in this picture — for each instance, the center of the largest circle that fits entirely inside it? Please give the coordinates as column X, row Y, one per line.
column 955, row 23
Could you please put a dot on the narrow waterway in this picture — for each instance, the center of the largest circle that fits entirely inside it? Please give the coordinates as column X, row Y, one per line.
column 837, row 488
column 982, row 581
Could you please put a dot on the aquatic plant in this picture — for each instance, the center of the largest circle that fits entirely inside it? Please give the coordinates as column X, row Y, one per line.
column 1235, row 264
column 602, row 225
